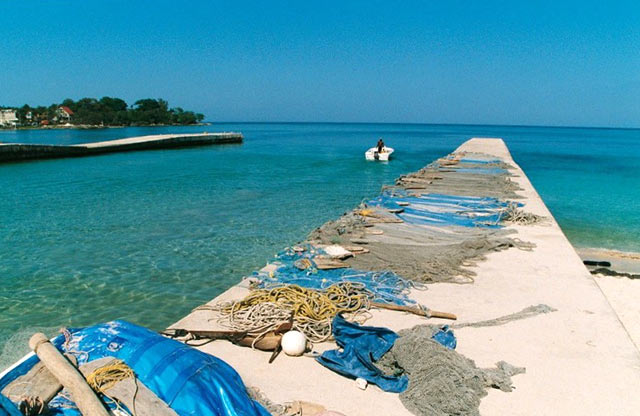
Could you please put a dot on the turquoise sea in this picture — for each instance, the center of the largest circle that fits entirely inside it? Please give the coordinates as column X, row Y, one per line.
column 147, row 236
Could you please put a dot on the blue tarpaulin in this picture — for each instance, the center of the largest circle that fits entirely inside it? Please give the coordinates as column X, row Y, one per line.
column 189, row 381
column 362, row 346
column 445, row 337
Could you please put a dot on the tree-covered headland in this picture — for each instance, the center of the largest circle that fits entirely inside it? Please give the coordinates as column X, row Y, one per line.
column 106, row 111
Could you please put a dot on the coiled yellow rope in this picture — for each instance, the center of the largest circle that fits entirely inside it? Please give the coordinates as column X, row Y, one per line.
column 103, row 378
column 310, row 310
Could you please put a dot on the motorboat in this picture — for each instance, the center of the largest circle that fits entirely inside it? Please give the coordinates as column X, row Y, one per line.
column 373, row 154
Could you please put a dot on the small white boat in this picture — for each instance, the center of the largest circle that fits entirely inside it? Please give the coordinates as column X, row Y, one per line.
column 373, row 154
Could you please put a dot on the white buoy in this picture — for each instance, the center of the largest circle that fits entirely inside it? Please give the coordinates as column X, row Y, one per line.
column 294, row 343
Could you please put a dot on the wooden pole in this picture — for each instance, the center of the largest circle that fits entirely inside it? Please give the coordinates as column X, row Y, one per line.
column 69, row 376
column 416, row 310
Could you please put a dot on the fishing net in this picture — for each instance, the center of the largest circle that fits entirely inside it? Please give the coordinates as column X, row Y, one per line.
column 14, row 345
column 275, row 409
column 421, row 253
column 461, row 183
column 464, row 174
column 383, row 286
column 528, row 312
column 436, row 223
column 514, row 215
column 441, row 381
column 434, row 263
column 438, row 209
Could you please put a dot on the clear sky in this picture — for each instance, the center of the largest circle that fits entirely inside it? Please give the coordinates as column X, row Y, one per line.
column 441, row 61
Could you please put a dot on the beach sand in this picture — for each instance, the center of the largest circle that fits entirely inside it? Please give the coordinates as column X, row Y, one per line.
column 621, row 292
column 621, row 261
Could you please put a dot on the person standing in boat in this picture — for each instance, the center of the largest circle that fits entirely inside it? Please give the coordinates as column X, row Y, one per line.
column 380, row 145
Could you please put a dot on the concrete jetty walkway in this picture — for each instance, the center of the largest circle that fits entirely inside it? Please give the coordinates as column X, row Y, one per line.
column 16, row 151
column 579, row 359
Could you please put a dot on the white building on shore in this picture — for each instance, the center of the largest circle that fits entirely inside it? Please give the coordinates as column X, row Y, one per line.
column 8, row 118
column 64, row 113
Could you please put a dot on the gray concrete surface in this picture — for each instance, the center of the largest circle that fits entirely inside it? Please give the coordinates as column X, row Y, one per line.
column 11, row 152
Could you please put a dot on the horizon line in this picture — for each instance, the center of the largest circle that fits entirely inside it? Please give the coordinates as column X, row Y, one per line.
column 424, row 124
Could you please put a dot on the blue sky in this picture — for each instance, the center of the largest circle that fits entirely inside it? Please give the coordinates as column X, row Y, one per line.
column 486, row 62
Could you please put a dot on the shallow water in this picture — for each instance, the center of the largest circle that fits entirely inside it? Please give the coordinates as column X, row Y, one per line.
column 147, row 236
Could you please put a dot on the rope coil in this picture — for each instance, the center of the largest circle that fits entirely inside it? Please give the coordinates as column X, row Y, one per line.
column 103, row 378
column 311, row 311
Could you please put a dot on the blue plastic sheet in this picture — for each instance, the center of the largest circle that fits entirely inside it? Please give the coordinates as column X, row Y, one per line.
column 189, row 381
column 361, row 347
column 445, row 337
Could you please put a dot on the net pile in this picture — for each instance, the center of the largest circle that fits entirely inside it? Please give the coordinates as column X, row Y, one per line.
column 514, row 215
column 382, row 286
column 431, row 263
column 436, row 223
column 441, row 381
column 443, row 210
column 464, row 174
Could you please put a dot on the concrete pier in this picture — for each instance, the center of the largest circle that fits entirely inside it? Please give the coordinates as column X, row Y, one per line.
column 10, row 152
column 579, row 359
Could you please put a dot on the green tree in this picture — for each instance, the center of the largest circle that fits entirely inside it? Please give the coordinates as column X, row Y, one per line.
column 52, row 111
column 68, row 102
column 179, row 116
column 22, row 112
column 113, row 104
column 40, row 113
column 151, row 111
column 113, row 111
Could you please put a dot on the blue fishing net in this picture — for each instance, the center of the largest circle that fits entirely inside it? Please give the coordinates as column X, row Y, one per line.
column 464, row 165
column 443, row 210
column 479, row 171
column 385, row 286
column 479, row 161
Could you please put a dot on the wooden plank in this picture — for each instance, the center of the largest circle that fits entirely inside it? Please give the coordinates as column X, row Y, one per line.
column 83, row 396
column 37, row 382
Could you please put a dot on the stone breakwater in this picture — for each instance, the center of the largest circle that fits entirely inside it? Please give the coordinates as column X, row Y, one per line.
column 563, row 351
column 11, row 152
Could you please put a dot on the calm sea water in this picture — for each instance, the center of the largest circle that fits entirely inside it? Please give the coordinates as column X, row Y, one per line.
column 147, row 236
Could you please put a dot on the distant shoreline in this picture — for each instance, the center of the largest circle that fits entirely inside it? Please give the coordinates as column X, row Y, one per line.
column 96, row 127
column 330, row 123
